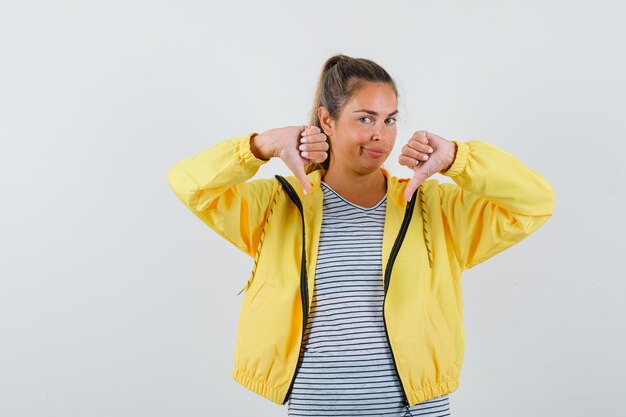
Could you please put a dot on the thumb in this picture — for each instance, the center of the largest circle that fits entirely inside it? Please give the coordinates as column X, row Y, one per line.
column 418, row 177
column 296, row 163
column 303, row 179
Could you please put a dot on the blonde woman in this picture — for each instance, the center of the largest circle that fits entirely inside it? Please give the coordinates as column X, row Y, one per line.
column 354, row 304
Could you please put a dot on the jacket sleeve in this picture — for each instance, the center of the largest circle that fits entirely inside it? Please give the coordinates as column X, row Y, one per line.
column 213, row 185
column 497, row 201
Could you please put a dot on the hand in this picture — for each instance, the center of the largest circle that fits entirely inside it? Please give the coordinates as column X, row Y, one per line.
column 290, row 149
column 440, row 155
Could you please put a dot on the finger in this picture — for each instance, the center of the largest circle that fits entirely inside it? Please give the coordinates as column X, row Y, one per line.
column 419, row 146
column 407, row 161
column 310, row 130
column 317, row 156
column 314, row 137
column 420, row 136
column 314, row 147
column 412, row 153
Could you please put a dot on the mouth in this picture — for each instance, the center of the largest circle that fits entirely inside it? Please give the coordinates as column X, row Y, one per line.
column 373, row 153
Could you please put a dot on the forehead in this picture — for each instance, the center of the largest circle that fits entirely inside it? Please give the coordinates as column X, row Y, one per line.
column 374, row 96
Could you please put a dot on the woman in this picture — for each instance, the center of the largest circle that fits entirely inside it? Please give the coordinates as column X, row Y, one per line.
column 354, row 305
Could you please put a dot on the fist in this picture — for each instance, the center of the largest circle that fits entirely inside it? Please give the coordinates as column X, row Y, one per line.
column 300, row 146
column 426, row 154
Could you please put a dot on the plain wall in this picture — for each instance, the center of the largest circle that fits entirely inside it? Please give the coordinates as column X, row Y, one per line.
column 116, row 301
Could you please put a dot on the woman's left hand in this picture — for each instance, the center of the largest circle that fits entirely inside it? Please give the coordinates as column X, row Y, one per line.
column 426, row 154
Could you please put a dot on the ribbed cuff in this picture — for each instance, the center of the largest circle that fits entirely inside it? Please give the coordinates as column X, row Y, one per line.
column 460, row 160
column 246, row 156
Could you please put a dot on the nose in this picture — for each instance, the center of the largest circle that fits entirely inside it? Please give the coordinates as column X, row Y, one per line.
column 378, row 133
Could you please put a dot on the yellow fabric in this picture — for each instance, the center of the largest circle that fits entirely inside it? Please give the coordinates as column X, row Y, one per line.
column 495, row 202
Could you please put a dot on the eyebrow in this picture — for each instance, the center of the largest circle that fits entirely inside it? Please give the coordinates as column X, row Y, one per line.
column 373, row 112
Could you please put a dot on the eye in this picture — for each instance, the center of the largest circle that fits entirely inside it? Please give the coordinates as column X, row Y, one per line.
column 391, row 118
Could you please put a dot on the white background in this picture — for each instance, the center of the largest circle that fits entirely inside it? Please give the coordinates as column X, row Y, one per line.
column 116, row 301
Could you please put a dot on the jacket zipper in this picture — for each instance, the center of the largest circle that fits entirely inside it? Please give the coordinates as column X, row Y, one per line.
column 408, row 214
column 304, row 289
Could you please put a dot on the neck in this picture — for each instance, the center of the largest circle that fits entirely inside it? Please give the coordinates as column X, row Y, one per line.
column 348, row 182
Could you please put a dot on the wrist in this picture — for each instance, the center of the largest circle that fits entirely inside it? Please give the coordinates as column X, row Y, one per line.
column 260, row 147
column 451, row 158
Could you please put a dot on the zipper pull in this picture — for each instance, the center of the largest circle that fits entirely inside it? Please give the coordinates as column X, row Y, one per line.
column 407, row 412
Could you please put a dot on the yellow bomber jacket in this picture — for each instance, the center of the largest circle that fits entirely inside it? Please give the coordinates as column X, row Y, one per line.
column 446, row 228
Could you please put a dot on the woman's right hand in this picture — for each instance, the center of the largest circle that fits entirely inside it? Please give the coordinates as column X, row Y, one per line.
column 296, row 146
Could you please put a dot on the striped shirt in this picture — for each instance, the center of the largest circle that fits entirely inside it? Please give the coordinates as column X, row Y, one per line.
column 346, row 364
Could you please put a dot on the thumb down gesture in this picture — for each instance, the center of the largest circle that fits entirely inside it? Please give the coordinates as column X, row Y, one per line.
column 300, row 146
column 426, row 154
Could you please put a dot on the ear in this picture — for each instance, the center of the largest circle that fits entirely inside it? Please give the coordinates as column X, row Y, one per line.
column 326, row 121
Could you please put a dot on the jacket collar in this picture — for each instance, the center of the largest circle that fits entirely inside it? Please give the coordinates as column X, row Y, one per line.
column 395, row 188
column 395, row 195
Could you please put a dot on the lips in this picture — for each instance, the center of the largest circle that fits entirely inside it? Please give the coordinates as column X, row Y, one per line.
column 374, row 152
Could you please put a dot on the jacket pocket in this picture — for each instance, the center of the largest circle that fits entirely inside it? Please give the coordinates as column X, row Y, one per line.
column 257, row 319
column 439, row 333
column 254, row 299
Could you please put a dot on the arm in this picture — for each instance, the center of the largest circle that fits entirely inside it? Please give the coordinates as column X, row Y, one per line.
column 213, row 185
column 497, row 201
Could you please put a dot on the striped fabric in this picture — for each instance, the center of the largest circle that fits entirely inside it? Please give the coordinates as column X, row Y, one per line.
column 346, row 363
